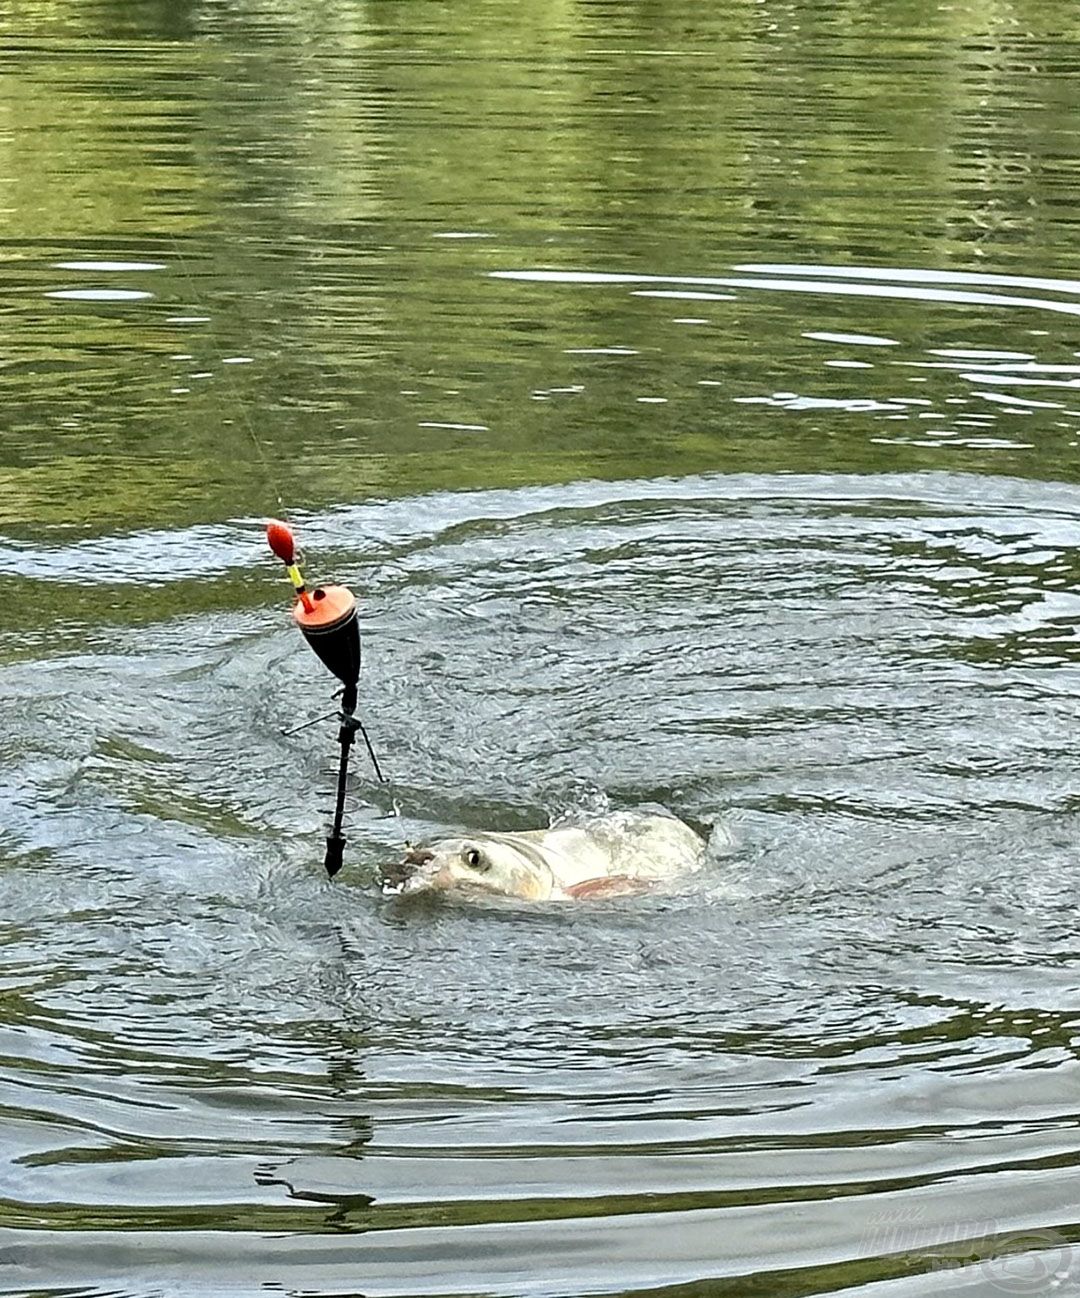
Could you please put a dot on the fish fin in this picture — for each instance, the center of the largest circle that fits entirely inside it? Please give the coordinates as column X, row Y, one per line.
column 612, row 885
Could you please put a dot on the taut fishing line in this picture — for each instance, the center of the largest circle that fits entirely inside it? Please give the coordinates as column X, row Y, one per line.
column 327, row 618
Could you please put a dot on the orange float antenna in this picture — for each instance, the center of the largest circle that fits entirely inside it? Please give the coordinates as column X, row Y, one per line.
column 280, row 539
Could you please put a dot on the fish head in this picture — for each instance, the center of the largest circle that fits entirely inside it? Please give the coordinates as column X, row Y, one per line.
column 482, row 864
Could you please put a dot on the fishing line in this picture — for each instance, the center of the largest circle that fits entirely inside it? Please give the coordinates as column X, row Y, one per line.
column 327, row 618
column 234, row 395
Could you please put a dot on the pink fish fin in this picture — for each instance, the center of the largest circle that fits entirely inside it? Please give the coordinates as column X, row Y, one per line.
column 611, row 885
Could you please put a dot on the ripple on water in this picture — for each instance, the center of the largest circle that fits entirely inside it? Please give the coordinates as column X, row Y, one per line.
column 846, row 1052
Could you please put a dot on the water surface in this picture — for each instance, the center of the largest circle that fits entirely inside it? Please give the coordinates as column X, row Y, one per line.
column 690, row 397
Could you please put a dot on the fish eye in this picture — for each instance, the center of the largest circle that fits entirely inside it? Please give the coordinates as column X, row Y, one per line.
column 474, row 860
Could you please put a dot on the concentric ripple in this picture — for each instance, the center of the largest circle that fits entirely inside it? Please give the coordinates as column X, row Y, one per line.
column 849, row 1056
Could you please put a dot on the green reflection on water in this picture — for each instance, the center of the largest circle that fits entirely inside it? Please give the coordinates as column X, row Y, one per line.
column 294, row 172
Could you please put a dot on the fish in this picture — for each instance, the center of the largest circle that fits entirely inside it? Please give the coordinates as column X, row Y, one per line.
column 615, row 855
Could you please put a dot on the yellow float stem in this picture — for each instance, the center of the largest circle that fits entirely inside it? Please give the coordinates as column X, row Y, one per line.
column 297, row 579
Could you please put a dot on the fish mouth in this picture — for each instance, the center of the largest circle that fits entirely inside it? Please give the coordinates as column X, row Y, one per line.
column 393, row 877
column 413, row 873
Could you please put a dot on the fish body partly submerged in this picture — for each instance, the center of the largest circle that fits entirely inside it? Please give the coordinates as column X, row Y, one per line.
column 624, row 852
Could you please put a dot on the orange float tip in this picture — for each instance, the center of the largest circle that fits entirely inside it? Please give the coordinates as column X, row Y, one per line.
column 280, row 539
column 331, row 608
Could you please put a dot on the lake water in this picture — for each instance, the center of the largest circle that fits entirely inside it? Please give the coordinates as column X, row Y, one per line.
column 691, row 395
